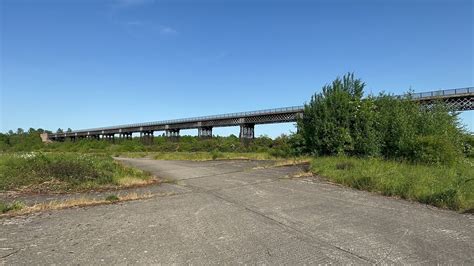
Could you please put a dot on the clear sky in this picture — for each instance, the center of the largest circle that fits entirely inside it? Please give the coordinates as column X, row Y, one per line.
column 84, row 64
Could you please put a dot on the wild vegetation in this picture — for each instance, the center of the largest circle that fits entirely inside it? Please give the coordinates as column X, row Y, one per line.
column 62, row 172
column 30, row 141
column 338, row 121
column 378, row 143
column 443, row 186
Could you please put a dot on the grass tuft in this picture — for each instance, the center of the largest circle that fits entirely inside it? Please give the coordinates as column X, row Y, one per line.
column 112, row 198
column 14, row 206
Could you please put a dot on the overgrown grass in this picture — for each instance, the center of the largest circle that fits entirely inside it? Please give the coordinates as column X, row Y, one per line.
column 62, row 172
column 443, row 186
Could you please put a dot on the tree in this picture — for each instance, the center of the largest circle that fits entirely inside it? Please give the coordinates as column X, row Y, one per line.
column 332, row 120
column 20, row 131
column 338, row 121
column 59, row 130
column 69, row 130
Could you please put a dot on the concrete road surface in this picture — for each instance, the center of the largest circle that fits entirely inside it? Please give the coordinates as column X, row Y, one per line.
column 236, row 212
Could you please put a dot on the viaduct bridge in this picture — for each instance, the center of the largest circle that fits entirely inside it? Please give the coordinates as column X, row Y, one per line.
column 461, row 99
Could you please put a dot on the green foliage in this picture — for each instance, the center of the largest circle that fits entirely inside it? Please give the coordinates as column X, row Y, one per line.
column 468, row 145
column 338, row 121
column 112, row 198
column 435, row 150
column 21, row 141
column 14, row 206
column 61, row 171
column 215, row 154
column 443, row 186
column 330, row 116
column 280, row 147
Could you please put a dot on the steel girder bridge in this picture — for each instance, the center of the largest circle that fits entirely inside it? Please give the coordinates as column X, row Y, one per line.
column 461, row 99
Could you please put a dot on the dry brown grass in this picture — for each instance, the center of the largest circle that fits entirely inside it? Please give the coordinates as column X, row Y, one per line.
column 71, row 203
column 286, row 162
column 128, row 182
column 302, row 175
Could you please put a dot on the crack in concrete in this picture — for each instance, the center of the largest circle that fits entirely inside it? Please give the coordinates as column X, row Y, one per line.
column 391, row 248
column 303, row 235
column 10, row 254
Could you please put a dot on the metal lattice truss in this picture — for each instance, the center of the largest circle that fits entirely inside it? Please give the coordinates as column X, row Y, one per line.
column 453, row 103
column 456, row 99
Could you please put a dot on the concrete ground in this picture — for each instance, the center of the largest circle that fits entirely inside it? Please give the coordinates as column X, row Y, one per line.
column 237, row 212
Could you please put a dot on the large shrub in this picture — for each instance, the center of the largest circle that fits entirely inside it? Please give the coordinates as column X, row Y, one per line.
column 338, row 121
column 468, row 145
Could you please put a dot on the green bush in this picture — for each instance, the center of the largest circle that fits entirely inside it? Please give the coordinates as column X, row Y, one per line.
column 338, row 121
column 468, row 145
column 435, row 150
column 329, row 117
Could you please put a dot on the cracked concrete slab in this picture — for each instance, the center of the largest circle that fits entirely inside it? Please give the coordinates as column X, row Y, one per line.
column 234, row 213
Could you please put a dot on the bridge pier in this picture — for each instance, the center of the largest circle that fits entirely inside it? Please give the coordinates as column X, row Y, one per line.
column 146, row 137
column 247, row 131
column 205, row 132
column 126, row 135
column 109, row 137
column 172, row 133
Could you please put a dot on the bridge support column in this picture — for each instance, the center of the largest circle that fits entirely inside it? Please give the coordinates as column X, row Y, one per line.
column 205, row 132
column 146, row 137
column 247, row 131
column 126, row 135
column 172, row 133
column 110, row 137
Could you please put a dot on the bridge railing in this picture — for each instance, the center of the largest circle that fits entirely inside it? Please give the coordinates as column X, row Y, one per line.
column 442, row 93
column 201, row 118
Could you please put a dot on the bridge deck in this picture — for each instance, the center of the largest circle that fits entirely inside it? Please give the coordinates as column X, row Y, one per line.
column 460, row 99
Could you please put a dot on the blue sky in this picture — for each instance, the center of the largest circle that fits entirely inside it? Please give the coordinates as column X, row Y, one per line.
column 84, row 64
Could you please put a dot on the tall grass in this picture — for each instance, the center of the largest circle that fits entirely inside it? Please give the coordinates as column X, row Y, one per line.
column 62, row 172
column 443, row 186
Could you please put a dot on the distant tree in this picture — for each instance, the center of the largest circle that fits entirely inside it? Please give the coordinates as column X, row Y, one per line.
column 10, row 132
column 31, row 131
column 40, row 130
column 59, row 130
column 69, row 130
column 20, row 131
column 4, row 142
